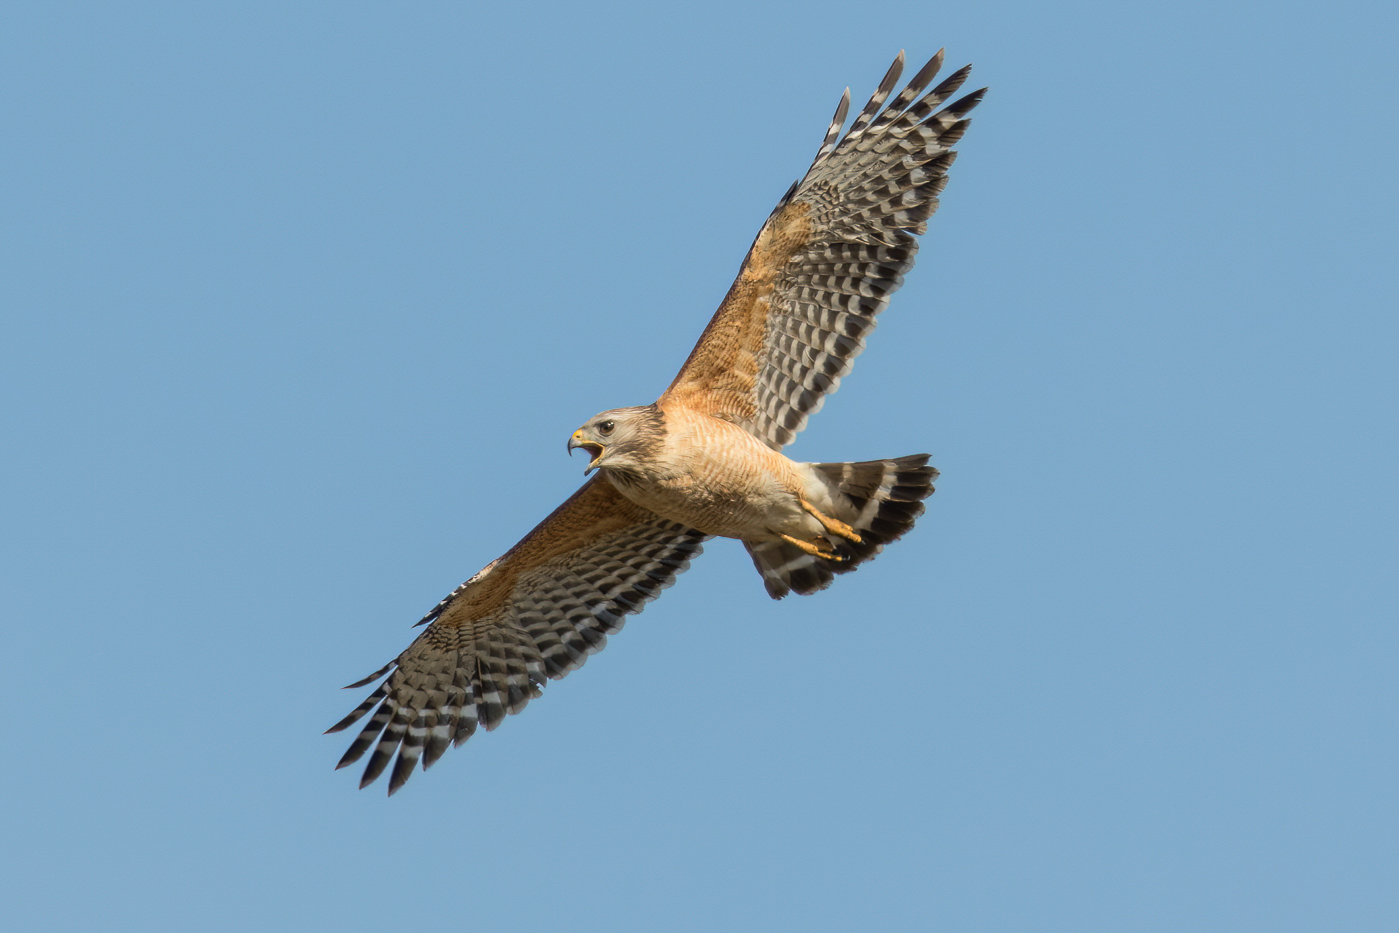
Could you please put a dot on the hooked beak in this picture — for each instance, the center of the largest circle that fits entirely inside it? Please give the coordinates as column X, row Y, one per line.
column 594, row 450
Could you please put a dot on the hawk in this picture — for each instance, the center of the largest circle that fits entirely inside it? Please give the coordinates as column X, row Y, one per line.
column 704, row 459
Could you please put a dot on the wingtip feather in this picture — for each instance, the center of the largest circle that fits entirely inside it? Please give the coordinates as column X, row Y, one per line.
column 364, row 682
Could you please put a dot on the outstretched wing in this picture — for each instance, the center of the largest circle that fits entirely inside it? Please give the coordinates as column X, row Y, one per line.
column 827, row 260
column 534, row 614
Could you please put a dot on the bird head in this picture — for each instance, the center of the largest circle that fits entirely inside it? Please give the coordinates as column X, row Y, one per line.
column 620, row 439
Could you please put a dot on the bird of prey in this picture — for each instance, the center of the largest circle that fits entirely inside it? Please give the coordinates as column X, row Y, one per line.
column 703, row 459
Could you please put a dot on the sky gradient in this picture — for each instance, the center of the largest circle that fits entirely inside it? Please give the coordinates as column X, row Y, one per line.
column 301, row 304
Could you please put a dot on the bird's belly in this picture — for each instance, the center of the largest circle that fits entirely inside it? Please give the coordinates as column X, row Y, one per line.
column 754, row 505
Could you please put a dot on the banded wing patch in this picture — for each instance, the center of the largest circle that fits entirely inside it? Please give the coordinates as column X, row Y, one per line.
column 472, row 669
column 865, row 196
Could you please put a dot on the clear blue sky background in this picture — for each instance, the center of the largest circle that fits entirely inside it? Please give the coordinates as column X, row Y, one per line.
column 302, row 302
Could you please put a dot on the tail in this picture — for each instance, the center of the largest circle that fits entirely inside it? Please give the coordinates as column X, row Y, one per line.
column 880, row 499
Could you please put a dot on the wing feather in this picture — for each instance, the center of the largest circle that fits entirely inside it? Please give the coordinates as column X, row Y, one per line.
column 827, row 260
column 533, row 615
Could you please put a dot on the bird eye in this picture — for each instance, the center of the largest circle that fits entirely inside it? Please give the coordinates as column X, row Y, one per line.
column 605, row 427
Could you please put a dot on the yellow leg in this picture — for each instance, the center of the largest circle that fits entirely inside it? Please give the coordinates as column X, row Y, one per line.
column 834, row 526
column 812, row 549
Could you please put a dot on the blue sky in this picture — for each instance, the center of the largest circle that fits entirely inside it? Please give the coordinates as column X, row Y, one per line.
column 301, row 303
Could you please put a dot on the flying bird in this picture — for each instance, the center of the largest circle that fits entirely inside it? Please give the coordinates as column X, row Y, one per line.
column 704, row 459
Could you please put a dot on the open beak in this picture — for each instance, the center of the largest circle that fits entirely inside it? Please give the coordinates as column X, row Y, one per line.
column 594, row 450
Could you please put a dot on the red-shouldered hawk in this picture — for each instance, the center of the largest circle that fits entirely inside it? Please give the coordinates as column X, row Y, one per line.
column 703, row 460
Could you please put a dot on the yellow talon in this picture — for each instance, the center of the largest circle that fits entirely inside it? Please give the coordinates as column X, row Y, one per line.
column 812, row 549
column 834, row 526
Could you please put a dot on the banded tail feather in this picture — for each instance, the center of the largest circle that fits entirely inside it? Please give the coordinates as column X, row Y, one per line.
column 880, row 499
